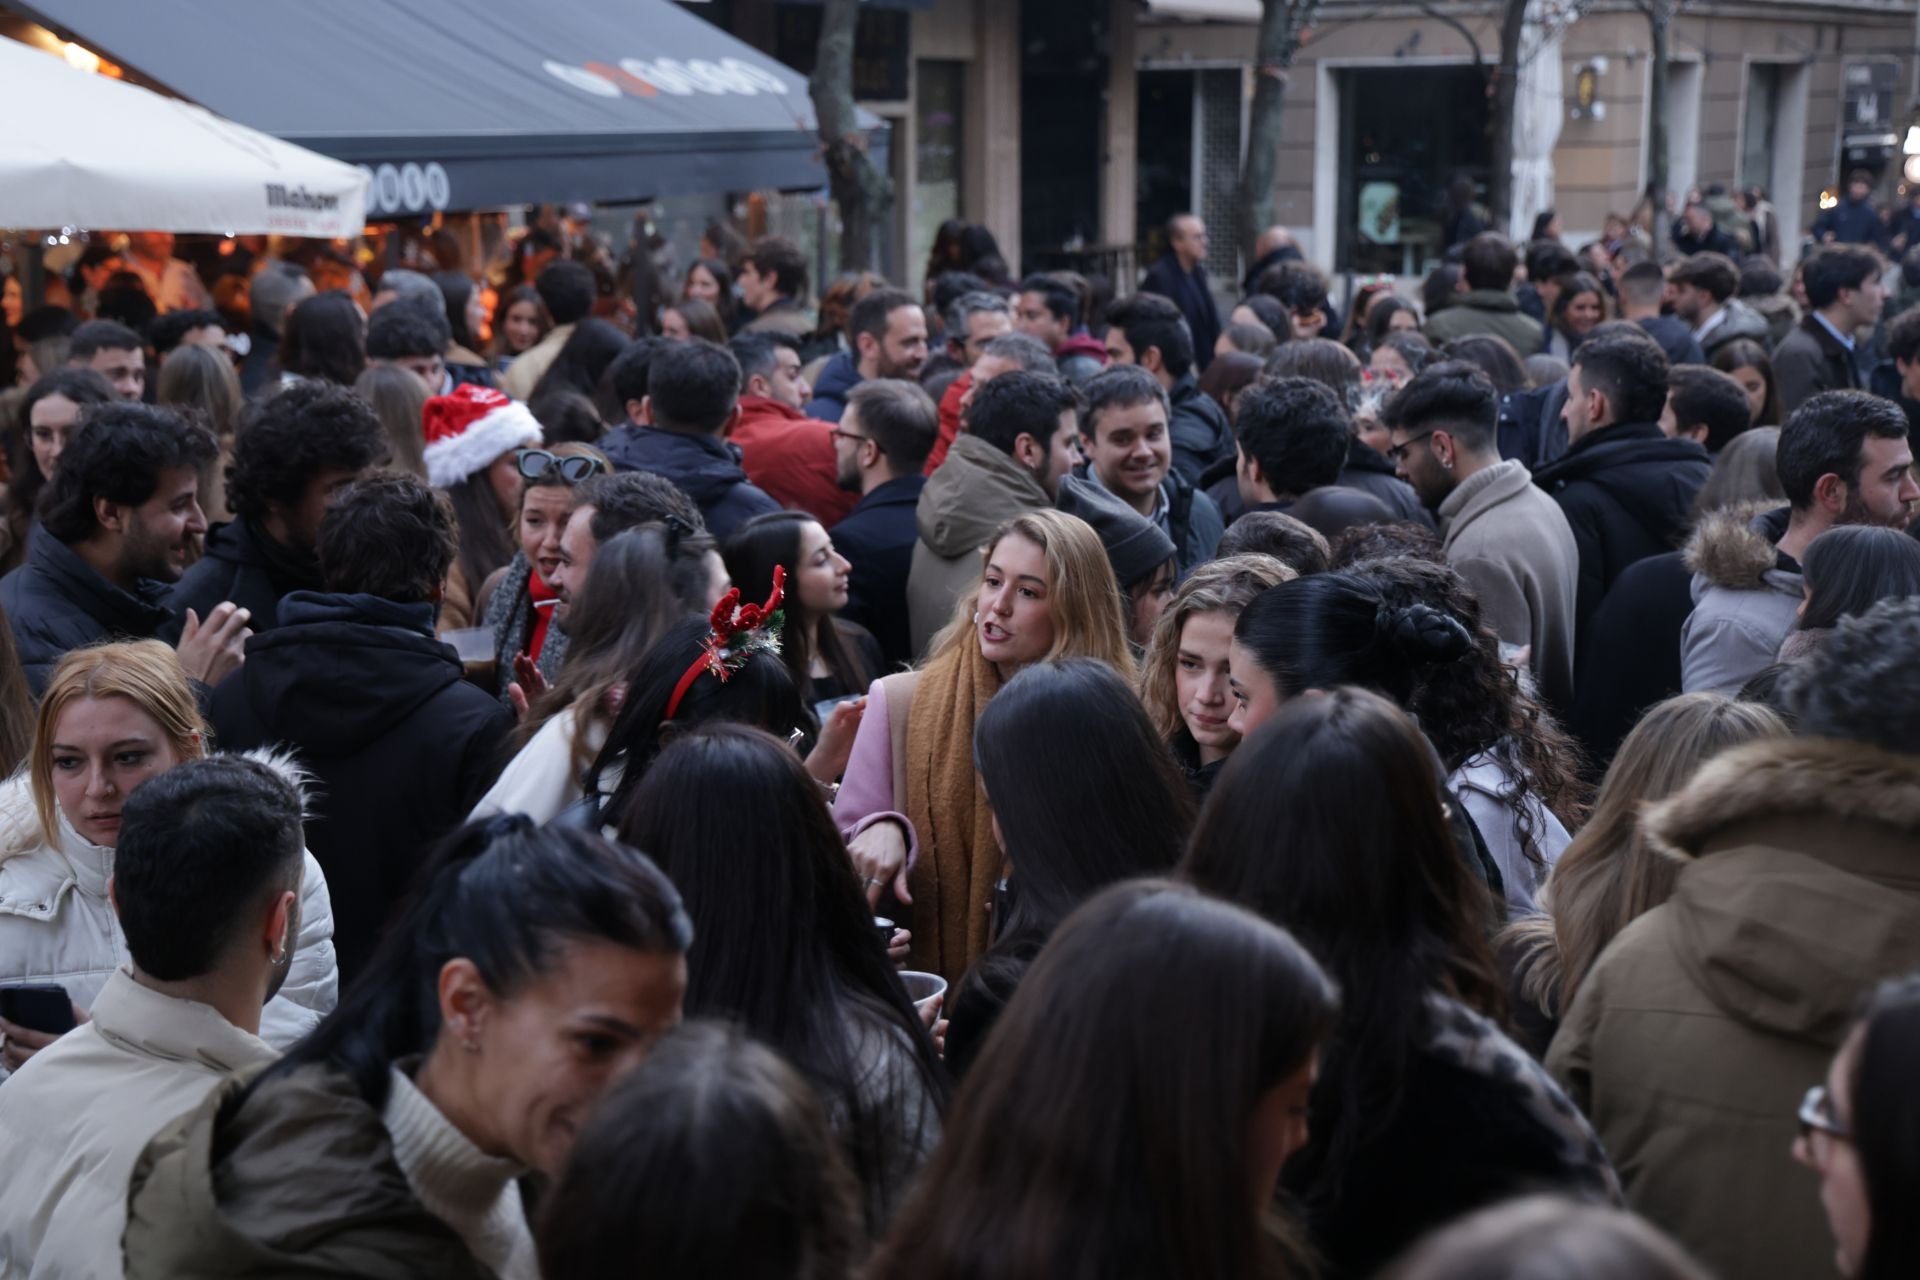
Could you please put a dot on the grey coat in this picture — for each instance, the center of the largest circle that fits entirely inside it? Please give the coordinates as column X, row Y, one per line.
column 1746, row 598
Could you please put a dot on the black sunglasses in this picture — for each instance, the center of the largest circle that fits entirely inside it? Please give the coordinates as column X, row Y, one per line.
column 538, row 464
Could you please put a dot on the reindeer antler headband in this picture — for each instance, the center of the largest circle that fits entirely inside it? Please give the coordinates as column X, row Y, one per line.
column 736, row 632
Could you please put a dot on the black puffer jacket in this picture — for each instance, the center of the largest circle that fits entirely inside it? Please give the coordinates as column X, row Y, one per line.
column 57, row 603
column 1627, row 491
column 1199, row 427
column 402, row 748
column 1370, row 471
column 244, row 565
column 706, row 469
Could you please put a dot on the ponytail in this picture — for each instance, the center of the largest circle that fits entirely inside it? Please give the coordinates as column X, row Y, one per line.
column 504, row 895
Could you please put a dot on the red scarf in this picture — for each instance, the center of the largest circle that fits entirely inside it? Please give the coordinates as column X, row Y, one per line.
column 544, row 598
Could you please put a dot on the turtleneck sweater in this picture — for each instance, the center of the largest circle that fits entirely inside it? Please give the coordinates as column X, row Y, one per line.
column 474, row 1193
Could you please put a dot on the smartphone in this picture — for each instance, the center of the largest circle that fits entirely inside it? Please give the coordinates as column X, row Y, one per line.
column 38, row 1008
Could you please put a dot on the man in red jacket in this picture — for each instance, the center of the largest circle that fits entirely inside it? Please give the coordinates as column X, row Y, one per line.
column 785, row 453
column 1002, row 355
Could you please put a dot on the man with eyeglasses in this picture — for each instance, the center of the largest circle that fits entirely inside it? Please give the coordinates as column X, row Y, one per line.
column 786, row 454
column 294, row 453
column 1510, row 541
column 881, row 445
column 1691, row 1042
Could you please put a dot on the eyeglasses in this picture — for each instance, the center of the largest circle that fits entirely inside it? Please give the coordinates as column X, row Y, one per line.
column 538, row 464
column 1819, row 1126
column 838, row 434
column 1399, row 452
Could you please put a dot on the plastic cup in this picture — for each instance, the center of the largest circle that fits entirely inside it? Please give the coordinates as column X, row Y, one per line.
column 922, row 987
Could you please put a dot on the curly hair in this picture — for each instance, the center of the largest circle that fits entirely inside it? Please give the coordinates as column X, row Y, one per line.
column 118, row 453
column 287, row 438
column 1476, row 706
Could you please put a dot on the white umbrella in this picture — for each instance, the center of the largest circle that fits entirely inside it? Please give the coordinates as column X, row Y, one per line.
column 83, row 150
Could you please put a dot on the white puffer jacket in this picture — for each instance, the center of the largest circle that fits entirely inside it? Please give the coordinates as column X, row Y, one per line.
column 56, row 924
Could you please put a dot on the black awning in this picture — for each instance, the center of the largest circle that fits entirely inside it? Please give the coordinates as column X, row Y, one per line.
column 463, row 104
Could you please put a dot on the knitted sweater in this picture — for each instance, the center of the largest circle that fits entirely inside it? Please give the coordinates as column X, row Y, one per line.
column 472, row 1192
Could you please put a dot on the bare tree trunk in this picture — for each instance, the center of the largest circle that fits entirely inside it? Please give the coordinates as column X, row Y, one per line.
column 862, row 191
column 1505, row 92
column 1660, row 48
column 1281, row 22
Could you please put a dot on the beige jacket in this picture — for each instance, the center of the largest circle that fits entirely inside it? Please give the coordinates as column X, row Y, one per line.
column 527, row 367
column 76, row 1117
column 1512, row 544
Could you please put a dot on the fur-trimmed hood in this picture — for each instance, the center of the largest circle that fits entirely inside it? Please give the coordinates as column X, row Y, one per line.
column 1734, row 549
column 1803, row 880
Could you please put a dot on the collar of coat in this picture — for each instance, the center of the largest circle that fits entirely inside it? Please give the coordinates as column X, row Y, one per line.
column 1735, row 549
column 1784, row 778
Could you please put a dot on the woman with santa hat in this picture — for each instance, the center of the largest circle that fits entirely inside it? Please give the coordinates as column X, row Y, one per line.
column 474, row 436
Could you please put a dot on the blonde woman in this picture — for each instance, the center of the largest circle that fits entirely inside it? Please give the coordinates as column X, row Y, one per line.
column 112, row 717
column 1183, row 680
column 1608, row 876
column 911, row 804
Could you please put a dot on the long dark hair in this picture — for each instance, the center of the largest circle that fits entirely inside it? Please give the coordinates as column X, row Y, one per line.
column 712, row 1159
column 505, row 895
column 84, row 388
column 1330, row 629
column 1886, row 1128
column 759, row 692
column 1072, row 727
column 643, row 581
column 1851, row 568
column 510, row 298
column 784, row 941
column 722, row 276
column 751, row 554
column 582, row 359
column 1104, row 1130
column 1745, row 353
column 1371, row 883
column 1474, row 705
column 487, row 541
column 325, row 337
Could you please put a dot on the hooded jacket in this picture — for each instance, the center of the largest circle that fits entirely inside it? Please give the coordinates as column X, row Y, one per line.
column 1746, row 595
column 295, row 1179
column 1080, row 357
column 57, row 603
column 973, row 493
column 1693, row 1039
column 1627, row 492
column 1199, row 428
column 705, row 468
column 1513, row 546
column 245, row 565
column 838, row 376
column 1493, row 311
column 1780, row 312
column 57, row 924
column 1741, row 321
column 401, row 746
column 790, row 458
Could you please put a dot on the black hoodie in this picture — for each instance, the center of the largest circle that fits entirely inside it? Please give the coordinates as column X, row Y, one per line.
column 402, row 748
column 1627, row 491
column 245, row 565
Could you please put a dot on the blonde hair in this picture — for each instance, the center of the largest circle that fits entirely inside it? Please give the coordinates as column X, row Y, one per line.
column 1219, row 586
column 1083, row 598
column 1609, row 877
column 145, row 672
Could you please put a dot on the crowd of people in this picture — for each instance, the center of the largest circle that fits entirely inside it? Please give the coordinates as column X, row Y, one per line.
column 1001, row 780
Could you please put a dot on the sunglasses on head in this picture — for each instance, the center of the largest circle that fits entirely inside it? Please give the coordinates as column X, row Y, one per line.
column 538, row 464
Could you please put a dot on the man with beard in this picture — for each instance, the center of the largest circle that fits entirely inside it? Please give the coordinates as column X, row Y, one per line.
column 1843, row 459
column 881, row 445
column 889, row 335
column 119, row 523
column 1020, row 439
column 208, row 882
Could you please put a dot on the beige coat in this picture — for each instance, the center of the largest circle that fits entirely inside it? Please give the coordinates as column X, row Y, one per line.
column 77, row 1116
column 1512, row 544
column 527, row 367
column 1693, row 1040
column 976, row 490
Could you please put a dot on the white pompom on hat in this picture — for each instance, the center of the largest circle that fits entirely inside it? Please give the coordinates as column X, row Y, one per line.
column 468, row 428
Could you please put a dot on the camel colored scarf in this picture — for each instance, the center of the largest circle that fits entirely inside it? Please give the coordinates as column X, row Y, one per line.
column 952, row 881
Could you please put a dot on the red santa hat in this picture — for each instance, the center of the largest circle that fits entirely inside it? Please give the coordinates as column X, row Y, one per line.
column 468, row 428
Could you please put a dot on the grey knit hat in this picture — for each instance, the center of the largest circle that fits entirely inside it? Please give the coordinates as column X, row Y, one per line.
column 1135, row 545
